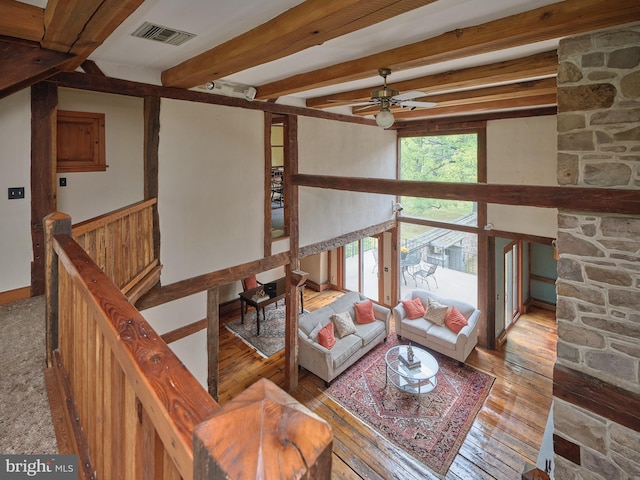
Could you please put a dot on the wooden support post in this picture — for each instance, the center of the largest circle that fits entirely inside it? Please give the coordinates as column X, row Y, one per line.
column 44, row 103
column 151, row 164
column 293, row 277
column 296, row 279
column 486, row 291
column 213, row 342
column 263, row 433
column 54, row 224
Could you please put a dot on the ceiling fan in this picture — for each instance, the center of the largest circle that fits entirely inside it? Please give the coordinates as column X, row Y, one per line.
column 388, row 97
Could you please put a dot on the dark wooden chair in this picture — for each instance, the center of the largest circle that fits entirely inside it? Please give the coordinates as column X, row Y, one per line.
column 247, row 284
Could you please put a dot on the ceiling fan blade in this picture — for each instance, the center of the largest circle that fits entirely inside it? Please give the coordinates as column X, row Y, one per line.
column 362, row 106
column 410, row 95
column 410, row 103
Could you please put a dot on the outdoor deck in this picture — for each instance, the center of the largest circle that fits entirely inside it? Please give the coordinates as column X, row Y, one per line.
column 445, row 282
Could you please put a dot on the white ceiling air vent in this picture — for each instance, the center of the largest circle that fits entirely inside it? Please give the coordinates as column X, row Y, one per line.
column 162, row 34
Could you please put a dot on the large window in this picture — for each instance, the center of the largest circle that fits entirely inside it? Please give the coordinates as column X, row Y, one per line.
column 441, row 260
column 440, row 158
column 438, row 243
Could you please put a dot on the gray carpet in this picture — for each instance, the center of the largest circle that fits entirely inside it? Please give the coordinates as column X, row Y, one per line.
column 25, row 418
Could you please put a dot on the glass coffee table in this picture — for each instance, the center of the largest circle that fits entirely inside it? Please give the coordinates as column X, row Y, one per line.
column 418, row 379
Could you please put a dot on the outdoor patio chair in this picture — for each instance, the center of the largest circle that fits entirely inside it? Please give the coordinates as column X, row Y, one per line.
column 425, row 273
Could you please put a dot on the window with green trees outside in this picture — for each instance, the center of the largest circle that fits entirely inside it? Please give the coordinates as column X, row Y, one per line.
column 424, row 244
column 439, row 158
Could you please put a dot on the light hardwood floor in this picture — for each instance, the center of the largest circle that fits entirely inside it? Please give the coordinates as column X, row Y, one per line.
column 506, row 434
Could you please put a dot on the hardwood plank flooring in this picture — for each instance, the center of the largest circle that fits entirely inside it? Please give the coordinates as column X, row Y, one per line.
column 506, row 434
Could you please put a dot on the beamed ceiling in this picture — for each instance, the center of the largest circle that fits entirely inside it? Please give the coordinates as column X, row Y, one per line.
column 467, row 56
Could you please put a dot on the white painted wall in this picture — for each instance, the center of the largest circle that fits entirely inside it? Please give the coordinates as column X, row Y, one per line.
column 523, row 151
column 211, row 187
column 15, row 167
column 328, row 147
column 211, row 202
column 89, row 194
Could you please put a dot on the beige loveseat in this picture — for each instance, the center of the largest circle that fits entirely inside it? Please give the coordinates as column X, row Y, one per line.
column 436, row 337
column 328, row 364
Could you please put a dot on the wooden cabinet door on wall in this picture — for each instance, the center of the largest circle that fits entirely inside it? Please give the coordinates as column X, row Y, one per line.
column 80, row 142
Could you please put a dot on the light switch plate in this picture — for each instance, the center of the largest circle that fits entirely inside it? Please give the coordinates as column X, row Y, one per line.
column 16, row 192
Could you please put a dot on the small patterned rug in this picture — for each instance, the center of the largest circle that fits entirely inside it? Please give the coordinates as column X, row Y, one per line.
column 430, row 427
column 271, row 338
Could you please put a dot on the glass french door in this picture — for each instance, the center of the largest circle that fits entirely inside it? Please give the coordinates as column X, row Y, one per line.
column 512, row 282
column 361, row 267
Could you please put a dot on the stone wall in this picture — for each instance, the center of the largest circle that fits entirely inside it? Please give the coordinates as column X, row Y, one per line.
column 598, row 287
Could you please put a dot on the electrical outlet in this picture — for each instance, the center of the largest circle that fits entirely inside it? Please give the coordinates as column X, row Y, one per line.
column 16, row 192
column 63, row 181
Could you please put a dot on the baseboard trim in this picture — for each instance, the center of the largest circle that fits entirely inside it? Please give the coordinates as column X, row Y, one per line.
column 542, row 304
column 317, row 287
column 11, row 296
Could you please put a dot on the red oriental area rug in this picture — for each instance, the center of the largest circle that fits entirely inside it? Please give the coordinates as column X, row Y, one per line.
column 431, row 427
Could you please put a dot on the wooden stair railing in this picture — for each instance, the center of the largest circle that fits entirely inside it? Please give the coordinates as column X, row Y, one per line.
column 122, row 245
column 136, row 412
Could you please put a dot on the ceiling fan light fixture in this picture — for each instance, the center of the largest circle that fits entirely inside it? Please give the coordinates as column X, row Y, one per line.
column 385, row 118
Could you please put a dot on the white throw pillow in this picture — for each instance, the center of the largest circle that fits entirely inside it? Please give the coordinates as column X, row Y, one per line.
column 313, row 335
column 344, row 324
column 436, row 312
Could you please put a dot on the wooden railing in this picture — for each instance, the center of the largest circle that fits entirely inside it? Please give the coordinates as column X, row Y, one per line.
column 136, row 412
column 121, row 243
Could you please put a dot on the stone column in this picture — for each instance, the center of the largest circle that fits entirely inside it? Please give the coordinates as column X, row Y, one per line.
column 598, row 286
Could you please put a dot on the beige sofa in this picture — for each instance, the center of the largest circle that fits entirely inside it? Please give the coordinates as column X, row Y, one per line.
column 439, row 338
column 328, row 364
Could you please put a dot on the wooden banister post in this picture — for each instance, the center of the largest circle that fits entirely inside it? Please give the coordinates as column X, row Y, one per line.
column 262, row 433
column 55, row 223
column 296, row 279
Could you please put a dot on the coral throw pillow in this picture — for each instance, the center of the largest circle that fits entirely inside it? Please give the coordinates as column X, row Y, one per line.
column 326, row 338
column 455, row 320
column 414, row 308
column 364, row 312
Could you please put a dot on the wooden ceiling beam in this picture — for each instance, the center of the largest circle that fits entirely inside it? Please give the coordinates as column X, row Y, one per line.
column 80, row 26
column 463, row 122
column 25, row 63
column 64, row 21
column 566, row 18
column 485, row 106
column 21, row 20
column 310, row 23
column 531, row 88
column 530, row 67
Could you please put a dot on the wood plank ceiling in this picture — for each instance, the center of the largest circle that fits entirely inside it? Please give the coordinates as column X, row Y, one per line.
column 39, row 42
